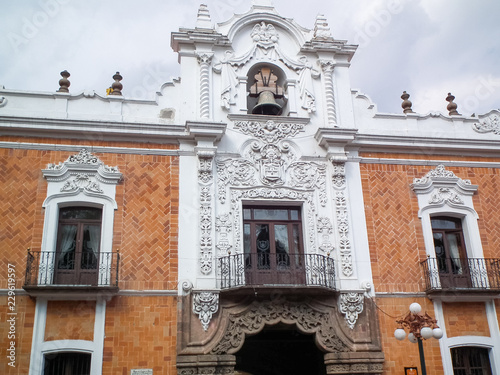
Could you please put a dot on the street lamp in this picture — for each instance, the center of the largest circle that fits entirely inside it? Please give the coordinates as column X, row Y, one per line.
column 421, row 327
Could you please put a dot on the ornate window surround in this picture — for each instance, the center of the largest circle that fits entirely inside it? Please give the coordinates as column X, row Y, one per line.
column 82, row 180
column 441, row 193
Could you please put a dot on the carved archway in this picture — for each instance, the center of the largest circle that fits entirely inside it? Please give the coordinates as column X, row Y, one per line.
column 347, row 350
column 258, row 314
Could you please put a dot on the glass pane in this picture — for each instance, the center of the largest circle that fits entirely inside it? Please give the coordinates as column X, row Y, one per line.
column 247, row 245
column 295, row 243
column 281, row 239
column 67, row 247
column 454, row 248
column 282, row 246
column 294, row 213
column 80, row 213
column 90, row 246
column 440, row 252
column 265, row 214
column 247, row 214
column 445, row 224
column 263, row 246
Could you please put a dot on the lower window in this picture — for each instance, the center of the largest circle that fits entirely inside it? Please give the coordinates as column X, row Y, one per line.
column 273, row 245
column 469, row 360
column 67, row 364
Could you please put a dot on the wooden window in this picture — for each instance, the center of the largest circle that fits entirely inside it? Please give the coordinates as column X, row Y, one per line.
column 273, row 245
column 67, row 364
column 469, row 360
column 451, row 257
column 79, row 238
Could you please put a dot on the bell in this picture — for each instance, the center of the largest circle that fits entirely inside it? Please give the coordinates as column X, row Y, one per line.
column 267, row 105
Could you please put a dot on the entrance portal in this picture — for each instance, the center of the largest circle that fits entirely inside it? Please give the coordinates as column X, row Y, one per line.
column 280, row 350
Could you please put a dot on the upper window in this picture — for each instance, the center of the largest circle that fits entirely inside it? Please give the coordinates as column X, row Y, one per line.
column 67, row 363
column 273, row 244
column 469, row 360
column 451, row 257
column 79, row 238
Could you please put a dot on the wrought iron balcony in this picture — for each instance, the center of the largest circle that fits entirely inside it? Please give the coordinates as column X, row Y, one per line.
column 462, row 274
column 276, row 270
column 87, row 272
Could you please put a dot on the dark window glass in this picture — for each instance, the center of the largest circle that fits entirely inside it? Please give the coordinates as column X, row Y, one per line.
column 469, row 360
column 67, row 364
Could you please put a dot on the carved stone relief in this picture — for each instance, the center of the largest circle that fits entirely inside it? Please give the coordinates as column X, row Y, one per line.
column 489, row 124
column 342, row 218
column 223, row 226
column 445, row 195
column 351, row 305
column 205, row 305
column 443, row 187
column 265, row 46
column 258, row 314
column 205, row 181
column 83, row 172
column 325, row 229
column 204, row 59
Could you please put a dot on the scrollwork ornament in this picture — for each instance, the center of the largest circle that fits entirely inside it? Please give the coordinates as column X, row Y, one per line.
column 269, row 132
column 205, row 305
column 351, row 305
column 442, row 195
column 439, row 172
column 490, row 124
column 258, row 314
column 84, row 157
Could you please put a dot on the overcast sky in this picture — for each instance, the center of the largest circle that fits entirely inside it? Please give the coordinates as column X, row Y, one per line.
column 426, row 47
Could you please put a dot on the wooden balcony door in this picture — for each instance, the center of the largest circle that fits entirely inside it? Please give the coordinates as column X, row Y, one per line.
column 77, row 255
column 273, row 246
column 451, row 256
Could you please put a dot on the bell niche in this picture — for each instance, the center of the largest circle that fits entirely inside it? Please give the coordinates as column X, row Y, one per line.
column 265, row 90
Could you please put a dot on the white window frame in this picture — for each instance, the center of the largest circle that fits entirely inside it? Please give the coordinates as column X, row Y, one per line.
column 441, row 193
column 82, row 180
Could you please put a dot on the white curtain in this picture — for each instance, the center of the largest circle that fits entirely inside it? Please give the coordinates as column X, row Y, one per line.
column 455, row 253
column 95, row 238
column 68, row 238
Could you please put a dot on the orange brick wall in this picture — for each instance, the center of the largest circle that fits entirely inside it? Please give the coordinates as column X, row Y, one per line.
column 464, row 319
column 394, row 229
column 145, row 229
column 401, row 354
column 140, row 333
column 145, row 232
column 25, row 309
column 70, row 320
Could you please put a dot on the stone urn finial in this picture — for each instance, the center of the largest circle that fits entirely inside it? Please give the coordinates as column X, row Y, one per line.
column 452, row 106
column 116, row 86
column 64, row 82
column 406, row 105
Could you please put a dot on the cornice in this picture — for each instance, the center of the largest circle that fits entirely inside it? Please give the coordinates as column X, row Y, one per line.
column 108, row 130
column 426, row 145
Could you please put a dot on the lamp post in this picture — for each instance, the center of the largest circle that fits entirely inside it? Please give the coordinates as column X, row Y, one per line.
column 421, row 327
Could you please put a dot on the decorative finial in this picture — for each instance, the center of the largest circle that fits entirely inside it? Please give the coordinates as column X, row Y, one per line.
column 116, row 86
column 406, row 105
column 64, row 83
column 203, row 21
column 321, row 29
column 452, row 106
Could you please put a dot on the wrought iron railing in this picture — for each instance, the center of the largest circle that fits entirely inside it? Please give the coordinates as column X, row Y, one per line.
column 474, row 274
column 239, row 270
column 49, row 268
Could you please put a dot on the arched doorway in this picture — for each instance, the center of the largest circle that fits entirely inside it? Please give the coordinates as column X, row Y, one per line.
column 280, row 350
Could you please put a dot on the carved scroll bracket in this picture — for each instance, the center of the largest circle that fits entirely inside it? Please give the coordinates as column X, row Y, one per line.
column 351, row 305
column 205, row 305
